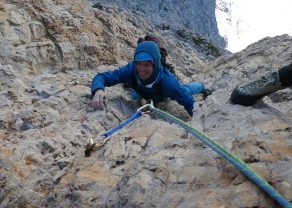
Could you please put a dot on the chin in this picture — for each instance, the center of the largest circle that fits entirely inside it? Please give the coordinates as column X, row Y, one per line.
column 144, row 77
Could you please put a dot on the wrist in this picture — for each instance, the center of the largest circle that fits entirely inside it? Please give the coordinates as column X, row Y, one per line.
column 94, row 92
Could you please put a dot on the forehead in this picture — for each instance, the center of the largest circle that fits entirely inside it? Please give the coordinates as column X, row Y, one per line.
column 144, row 62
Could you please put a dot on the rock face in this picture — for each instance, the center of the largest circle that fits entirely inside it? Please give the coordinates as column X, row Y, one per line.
column 195, row 15
column 50, row 51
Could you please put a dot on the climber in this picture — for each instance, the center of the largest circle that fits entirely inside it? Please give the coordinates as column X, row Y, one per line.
column 148, row 78
column 249, row 93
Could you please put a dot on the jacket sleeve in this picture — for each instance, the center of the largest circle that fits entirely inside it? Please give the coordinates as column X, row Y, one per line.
column 110, row 78
column 173, row 89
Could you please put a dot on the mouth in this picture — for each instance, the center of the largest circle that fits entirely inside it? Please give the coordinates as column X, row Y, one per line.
column 142, row 74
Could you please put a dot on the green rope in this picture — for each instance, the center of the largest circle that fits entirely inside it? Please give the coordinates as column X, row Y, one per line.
column 236, row 161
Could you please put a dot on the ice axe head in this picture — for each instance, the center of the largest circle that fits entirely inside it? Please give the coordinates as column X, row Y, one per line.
column 89, row 148
column 93, row 146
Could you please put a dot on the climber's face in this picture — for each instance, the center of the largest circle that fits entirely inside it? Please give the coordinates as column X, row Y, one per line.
column 144, row 69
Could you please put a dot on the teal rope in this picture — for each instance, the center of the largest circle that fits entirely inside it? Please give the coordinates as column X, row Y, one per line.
column 233, row 159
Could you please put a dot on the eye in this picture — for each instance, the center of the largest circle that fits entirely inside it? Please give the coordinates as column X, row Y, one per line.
column 147, row 64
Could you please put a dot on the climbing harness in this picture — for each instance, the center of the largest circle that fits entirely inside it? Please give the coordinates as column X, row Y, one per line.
column 106, row 136
column 220, row 149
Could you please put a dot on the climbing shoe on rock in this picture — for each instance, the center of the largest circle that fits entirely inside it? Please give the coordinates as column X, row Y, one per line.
column 248, row 93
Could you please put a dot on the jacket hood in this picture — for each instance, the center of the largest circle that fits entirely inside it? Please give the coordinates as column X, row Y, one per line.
column 152, row 49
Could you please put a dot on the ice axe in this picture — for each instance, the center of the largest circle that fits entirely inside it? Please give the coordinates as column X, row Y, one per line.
column 92, row 145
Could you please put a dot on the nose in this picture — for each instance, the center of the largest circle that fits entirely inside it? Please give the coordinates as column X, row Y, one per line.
column 142, row 67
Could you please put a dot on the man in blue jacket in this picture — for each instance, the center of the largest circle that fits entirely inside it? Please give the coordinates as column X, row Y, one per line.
column 148, row 78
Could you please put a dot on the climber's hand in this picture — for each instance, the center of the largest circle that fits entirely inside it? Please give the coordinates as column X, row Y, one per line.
column 99, row 100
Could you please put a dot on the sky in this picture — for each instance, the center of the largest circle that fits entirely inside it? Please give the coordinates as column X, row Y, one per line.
column 252, row 20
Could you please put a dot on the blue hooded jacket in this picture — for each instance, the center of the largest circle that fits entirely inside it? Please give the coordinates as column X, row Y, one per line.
column 161, row 84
